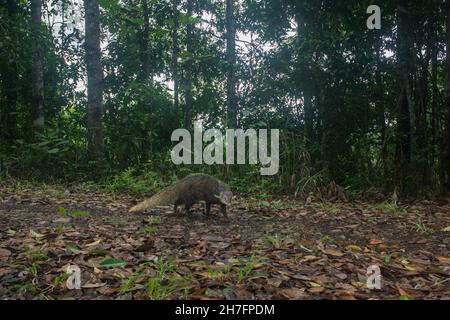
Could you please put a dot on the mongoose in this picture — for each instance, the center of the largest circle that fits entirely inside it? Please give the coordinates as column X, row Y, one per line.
column 193, row 188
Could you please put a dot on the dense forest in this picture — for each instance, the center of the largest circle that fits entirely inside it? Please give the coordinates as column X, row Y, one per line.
column 92, row 92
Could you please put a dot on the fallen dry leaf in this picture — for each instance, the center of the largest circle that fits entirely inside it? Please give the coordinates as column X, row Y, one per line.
column 293, row 293
column 332, row 252
column 443, row 260
column 4, row 254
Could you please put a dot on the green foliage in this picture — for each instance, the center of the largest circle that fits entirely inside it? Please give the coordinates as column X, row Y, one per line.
column 152, row 225
column 248, row 269
column 164, row 283
column 391, row 207
column 329, row 207
column 130, row 282
column 52, row 151
column 128, row 181
column 312, row 184
column 112, row 263
column 251, row 183
column 273, row 240
column 422, row 227
column 74, row 214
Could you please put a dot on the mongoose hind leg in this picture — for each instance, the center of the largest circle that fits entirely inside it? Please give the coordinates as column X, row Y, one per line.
column 187, row 207
column 207, row 208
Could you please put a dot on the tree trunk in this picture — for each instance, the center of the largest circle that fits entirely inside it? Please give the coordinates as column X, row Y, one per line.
column 188, row 69
column 38, row 69
column 379, row 98
column 446, row 143
column 175, row 53
column 404, row 135
column 95, row 79
column 304, row 73
column 145, row 72
column 231, row 64
column 434, row 95
column 144, row 76
column 8, row 119
column 421, row 133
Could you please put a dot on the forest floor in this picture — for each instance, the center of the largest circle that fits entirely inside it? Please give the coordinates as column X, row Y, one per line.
column 271, row 249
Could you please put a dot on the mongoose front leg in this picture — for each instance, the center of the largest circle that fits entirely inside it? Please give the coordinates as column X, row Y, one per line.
column 207, row 208
column 224, row 210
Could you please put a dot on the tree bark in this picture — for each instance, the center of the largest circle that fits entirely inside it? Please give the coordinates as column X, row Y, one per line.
column 379, row 98
column 145, row 72
column 304, row 73
column 434, row 94
column 188, row 69
column 175, row 54
column 95, row 79
column 231, row 64
column 422, row 150
column 446, row 143
column 404, row 123
column 8, row 119
column 38, row 69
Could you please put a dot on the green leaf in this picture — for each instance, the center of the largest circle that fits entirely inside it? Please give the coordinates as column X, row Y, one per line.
column 63, row 211
column 112, row 263
column 264, row 203
column 74, row 249
column 36, row 235
column 109, row 4
column 406, row 298
column 80, row 214
column 43, row 143
column 446, row 229
column 53, row 151
column 314, row 285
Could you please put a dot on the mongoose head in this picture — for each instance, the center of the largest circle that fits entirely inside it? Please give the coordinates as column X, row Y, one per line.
column 225, row 197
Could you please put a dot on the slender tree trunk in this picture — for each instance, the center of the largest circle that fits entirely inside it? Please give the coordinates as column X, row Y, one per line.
column 379, row 98
column 38, row 69
column 144, row 76
column 175, row 54
column 145, row 72
column 434, row 96
column 188, row 69
column 304, row 72
column 9, row 78
column 422, row 137
column 404, row 123
column 231, row 65
column 446, row 143
column 309, row 117
column 95, row 79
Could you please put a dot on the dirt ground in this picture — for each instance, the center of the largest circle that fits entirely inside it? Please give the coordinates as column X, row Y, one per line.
column 271, row 249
